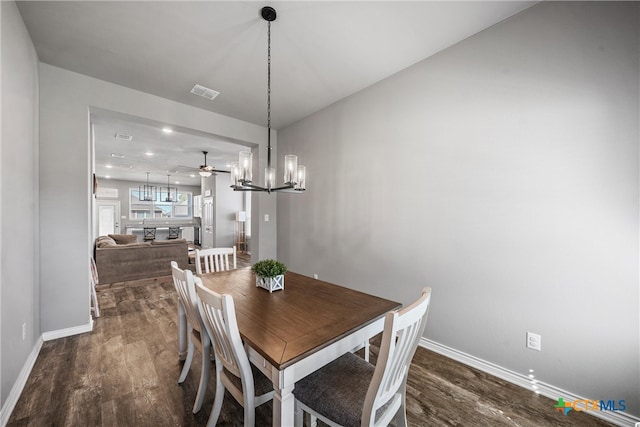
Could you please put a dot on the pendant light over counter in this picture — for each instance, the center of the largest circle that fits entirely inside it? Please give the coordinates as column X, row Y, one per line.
column 146, row 192
column 172, row 192
column 241, row 171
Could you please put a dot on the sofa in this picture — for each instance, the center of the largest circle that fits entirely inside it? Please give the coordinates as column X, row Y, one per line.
column 120, row 258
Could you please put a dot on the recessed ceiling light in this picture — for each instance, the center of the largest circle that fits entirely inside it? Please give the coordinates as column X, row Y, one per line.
column 167, row 130
column 177, row 182
column 192, row 176
column 117, row 155
column 107, row 176
column 148, row 153
column 123, row 137
column 108, row 166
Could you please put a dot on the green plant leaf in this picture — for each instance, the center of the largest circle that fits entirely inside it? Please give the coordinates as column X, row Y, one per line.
column 268, row 268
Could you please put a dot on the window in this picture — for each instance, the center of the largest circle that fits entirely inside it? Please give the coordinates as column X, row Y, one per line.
column 157, row 208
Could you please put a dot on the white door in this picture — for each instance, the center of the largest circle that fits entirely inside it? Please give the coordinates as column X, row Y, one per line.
column 207, row 222
column 108, row 217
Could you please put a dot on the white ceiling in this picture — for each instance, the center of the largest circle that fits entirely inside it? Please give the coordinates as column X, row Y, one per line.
column 178, row 154
column 322, row 51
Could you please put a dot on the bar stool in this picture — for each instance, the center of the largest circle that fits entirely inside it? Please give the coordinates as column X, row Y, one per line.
column 174, row 233
column 149, row 234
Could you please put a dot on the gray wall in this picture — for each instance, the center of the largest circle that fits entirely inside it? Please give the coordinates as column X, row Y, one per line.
column 19, row 259
column 65, row 184
column 227, row 203
column 502, row 172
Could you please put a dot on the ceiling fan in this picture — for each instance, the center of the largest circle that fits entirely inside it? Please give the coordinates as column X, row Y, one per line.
column 207, row 170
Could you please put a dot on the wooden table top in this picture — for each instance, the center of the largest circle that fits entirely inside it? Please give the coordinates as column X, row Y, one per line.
column 308, row 314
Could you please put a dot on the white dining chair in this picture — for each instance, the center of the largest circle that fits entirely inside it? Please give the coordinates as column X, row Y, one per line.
column 197, row 336
column 211, row 260
column 351, row 392
column 234, row 372
column 94, row 281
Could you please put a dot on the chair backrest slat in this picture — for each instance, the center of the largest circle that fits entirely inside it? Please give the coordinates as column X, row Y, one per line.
column 212, row 260
column 402, row 331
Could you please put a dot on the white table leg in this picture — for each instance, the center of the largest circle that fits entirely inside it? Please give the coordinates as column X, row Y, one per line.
column 283, row 407
column 182, row 331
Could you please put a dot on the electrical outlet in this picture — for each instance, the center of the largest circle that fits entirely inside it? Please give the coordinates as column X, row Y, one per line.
column 24, row 331
column 534, row 341
column 315, row 276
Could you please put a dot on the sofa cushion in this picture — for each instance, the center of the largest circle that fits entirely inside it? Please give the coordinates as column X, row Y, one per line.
column 123, row 239
column 168, row 242
column 131, row 245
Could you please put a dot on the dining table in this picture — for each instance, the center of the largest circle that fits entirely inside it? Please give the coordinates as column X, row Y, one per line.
column 292, row 332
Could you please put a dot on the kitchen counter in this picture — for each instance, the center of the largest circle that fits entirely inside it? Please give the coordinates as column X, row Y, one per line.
column 162, row 231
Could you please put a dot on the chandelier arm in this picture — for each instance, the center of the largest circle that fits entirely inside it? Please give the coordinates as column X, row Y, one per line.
column 252, row 187
column 236, row 188
column 284, row 187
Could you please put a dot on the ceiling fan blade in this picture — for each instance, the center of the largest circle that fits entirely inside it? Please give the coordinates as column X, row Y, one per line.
column 209, row 168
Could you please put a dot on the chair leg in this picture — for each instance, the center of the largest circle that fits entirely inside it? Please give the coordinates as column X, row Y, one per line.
column 298, row 416
column 366, row 350
column 249, row 408
column 204, row 374
column 217, row 401
column 94, row 299
column 401, row 416
column 189, row 359
column 249, row 415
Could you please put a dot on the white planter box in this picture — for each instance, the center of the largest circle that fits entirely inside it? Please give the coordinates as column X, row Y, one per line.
column 270, row 283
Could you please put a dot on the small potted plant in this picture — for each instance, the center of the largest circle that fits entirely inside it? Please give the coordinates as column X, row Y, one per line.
column 269, row 274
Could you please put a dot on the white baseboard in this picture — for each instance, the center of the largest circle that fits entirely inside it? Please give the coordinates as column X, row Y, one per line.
column 62, row 333
column 18, row 386
column 547, row 390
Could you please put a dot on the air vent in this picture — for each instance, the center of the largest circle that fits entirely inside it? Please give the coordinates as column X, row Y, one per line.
column 205, row 92
column 123, row 137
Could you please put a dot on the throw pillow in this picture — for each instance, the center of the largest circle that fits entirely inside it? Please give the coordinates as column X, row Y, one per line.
column 105, row 242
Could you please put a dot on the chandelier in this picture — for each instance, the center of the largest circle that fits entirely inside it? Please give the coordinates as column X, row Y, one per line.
column 241, row 171
column 146, row 192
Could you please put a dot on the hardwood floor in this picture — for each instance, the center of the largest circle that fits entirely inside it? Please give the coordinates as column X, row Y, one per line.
column 125, row 373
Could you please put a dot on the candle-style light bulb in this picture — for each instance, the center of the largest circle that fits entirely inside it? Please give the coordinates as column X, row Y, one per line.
column 246, row 166
column 290, row 169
